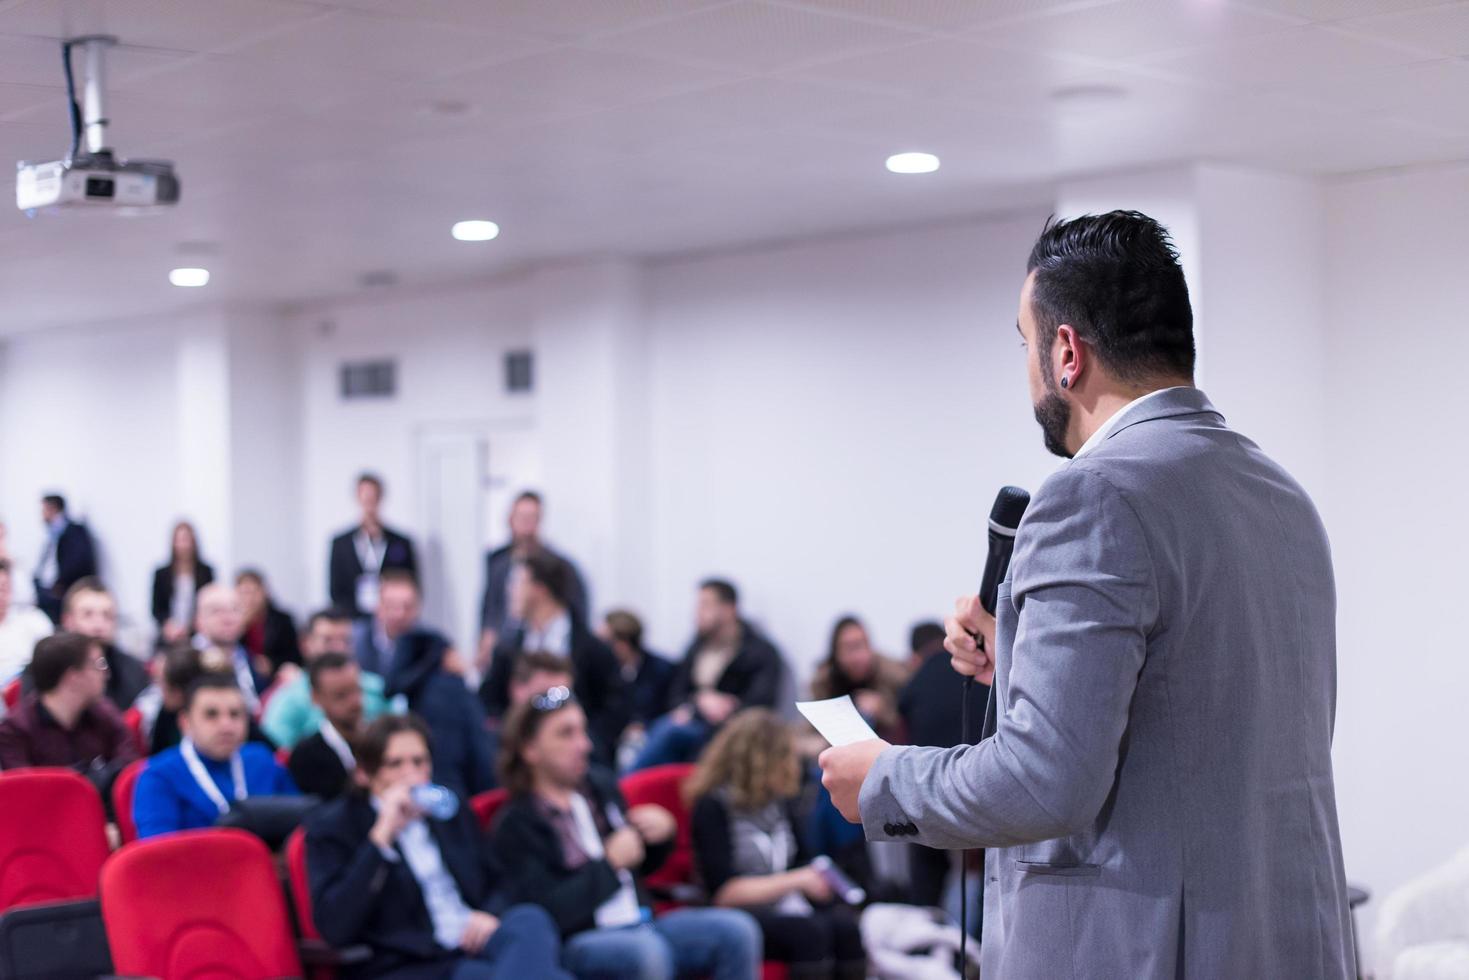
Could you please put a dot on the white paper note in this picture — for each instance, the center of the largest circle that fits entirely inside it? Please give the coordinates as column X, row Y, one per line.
column 837, row 719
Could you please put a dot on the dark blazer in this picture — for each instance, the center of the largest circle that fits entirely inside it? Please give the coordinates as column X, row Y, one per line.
column 598, row 684
column 529, row 849
column 753, row 676
column 495, row 614
column 76, row 559
column 345, row 566
column 710, row 828
column 316, row 769
column 932, row 705
column 127, row 676
column 280, row 646
column 163, row 591
column 359, row 896
column 463, row 760
column 648, row 691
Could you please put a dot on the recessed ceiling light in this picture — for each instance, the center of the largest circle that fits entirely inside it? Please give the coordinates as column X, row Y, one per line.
column 476, row 231
column 189, row 278
column 913, row 163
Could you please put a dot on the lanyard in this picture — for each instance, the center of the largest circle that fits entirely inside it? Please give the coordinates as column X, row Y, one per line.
column 371, row 555
column 338, row 744
column 206, row 782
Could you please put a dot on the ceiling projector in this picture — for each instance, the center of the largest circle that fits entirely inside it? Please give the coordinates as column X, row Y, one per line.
column 94, row 177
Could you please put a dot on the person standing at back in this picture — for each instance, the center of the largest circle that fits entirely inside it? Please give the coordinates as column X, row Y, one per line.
column 68, row 556
column 361, row 554
column 177, row 584
column 1157, row 798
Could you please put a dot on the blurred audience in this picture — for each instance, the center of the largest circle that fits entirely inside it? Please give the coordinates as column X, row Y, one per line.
column 852, row 668
column 423, row 892
column 361, row 555
column 194, row 784
column 221, row 624
column 67, row 557
column 176, row 585
column 750, row 853
column 159, row 706
column 496, row 614
column 67, row 720
column 291, row 713
column 729, row 666
column 89, row 609
column 398, row 609
column 648, row 677
column 538, row 585
column 569, row 842
column 270, row 635
column 20, row 628
column 322, row 763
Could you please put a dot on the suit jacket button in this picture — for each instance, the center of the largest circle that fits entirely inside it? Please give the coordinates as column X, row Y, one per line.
column 890, row 830
column 912, row 828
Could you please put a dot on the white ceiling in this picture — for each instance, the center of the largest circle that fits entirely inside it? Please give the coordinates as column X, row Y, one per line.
column 320, row 141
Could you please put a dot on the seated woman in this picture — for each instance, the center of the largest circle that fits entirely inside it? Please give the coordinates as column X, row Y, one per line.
column 874, row 682
column 570, row 843
column 422, row 892
column 750, row 855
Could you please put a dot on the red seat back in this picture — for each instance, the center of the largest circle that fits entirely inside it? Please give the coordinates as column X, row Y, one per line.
column 300, row 883
column 133, row 718
column 663, row 785
column 12, row 694
column 197, row 904
column 485, row 805
column 53, row 837
column 122, row 800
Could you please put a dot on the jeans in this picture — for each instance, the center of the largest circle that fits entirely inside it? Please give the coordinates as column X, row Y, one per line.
column 672, row 741
column 526, row 945
column 723, row 944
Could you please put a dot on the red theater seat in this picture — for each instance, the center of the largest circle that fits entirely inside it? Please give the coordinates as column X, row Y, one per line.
column 485, row 805
column 198, row 903
column 53, row 837
column 122, row 800
column 663, row 785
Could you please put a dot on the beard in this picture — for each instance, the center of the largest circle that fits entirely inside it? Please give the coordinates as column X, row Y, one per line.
column 1054, row 415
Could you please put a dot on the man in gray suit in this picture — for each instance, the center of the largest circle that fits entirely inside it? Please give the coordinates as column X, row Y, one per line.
column 1157, row 797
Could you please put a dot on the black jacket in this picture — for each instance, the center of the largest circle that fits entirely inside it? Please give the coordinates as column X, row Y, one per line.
column 529, row 850
column 462, row 757
column 345, row 566
column 493, row 610
column 279, row 643
column 713, row 840
column 753, row 676
column 127, row 676
column 932, row 703
column 163, row 591
column 316, row 770
column 76, row 558
column 598, row 684
column 647, row 694
column 359, row 896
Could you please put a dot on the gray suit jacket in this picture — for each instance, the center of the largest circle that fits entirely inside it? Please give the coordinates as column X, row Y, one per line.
column 1157, row 798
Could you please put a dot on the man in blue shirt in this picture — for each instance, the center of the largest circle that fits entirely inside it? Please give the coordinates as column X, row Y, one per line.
column 191, row 785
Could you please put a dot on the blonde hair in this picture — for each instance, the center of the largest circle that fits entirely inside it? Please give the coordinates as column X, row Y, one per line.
column 754, row 755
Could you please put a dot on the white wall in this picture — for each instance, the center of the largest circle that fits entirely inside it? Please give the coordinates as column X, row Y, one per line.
column 1398, row 250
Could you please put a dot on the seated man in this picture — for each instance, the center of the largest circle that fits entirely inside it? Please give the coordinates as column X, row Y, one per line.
column 534, row 673
column 323, row 763
column 221, row 623
column 729, row 666
column 159, row 706
column 422, row 892
column 291, row 713
column 569, row 842
column 20, row 628
column 193, row 785
column 66, row 720
column 538, row 597
column 89, row 609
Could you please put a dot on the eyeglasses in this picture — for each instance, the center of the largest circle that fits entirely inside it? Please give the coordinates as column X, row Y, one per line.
column 552, row 699
column 101, row 664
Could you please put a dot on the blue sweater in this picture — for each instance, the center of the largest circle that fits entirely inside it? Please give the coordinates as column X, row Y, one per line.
column 167, row 798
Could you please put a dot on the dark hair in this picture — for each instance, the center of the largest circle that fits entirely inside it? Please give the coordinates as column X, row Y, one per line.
column 522, row 724
column 527, row 665
column 549, row 571
column 369, row 477
column 57, row 654
column 624, row 625
column 173, row 554
column 90, row 583
column 330, row 615
column 55, row 500
column 372, row 744
column 208, row 681
column 925, row 635
column 400, row 575
column 723, row 589
column 326, row 662
column 250, row 575
column 1116, row 280
column 4, row 565
column 840, row 682
column 530, row 495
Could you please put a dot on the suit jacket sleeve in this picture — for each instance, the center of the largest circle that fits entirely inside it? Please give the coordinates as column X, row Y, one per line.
column 162, row 594
column 712, row 844
column 347, row 880
column 1085, row 599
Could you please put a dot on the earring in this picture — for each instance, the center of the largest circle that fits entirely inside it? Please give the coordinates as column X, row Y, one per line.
column 1065, row 381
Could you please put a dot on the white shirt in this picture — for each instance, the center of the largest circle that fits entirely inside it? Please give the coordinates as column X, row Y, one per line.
column 20, row 630
column 622, row 908
column 555, row 638
column 446, row 906
column 181, row 608
column 1105, row 429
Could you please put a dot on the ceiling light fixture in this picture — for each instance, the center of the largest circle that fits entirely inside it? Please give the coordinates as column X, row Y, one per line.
column 913, row 163
column 189, row 278
column 475, row 231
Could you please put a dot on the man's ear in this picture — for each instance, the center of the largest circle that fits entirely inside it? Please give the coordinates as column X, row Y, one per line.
column 359, row 777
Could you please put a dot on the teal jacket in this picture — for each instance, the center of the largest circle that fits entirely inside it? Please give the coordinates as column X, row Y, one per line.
column 290, row 716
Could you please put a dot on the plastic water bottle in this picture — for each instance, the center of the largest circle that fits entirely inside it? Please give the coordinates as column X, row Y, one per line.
column 439, row 802
column 846, row 889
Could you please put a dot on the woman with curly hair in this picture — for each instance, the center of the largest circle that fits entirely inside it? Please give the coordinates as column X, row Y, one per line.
column 749, row 852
